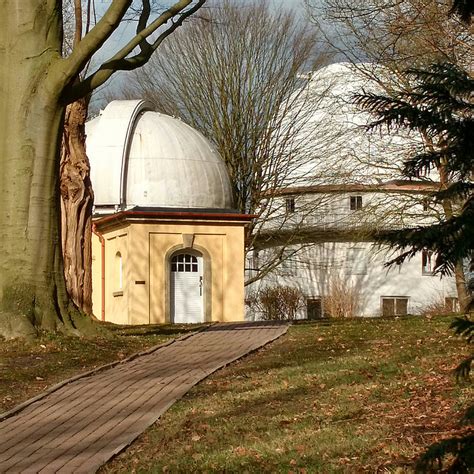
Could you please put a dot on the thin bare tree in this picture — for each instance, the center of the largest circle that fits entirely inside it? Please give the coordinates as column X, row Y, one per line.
column 237, row 75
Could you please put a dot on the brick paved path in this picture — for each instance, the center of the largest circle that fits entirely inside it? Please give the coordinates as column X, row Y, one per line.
column 81, row 425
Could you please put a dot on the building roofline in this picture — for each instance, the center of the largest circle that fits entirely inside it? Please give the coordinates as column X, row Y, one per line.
column 399, row 186
column 148, row 215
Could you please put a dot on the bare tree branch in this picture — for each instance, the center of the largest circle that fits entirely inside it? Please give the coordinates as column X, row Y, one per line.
column 120, row 61
column 93, row 40
column 241, row 83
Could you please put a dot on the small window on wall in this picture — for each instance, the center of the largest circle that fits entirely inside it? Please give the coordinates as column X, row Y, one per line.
column 355, row 203
column 118, row 272
column 314, row 308
column 290, row 205
column 427, row 262
column 395, row 306
column 252, row 261
column 451, row 304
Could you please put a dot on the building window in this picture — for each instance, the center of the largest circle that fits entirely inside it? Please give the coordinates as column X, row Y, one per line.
column 290, row 205
column 252, row 261
column 451, row 304
column 118, row 272
column 314, row 308
column 395, row 306
column 427, row 262
column 184, row 262
column 355, row 203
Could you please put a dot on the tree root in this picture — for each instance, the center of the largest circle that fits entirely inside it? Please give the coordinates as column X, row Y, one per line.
column 15, row 325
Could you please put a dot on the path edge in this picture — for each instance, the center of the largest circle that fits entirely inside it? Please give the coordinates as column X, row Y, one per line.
column 18, row 408
column 125, row 445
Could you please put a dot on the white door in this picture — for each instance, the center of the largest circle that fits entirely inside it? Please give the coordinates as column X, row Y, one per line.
column 186, row 289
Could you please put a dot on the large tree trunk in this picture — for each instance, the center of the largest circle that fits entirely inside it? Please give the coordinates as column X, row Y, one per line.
column 76, row 207
column 32, row 287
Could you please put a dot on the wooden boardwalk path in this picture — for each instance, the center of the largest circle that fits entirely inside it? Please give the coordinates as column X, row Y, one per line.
column 78, row 427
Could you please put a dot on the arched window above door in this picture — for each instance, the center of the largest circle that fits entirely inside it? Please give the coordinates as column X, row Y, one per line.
column 184, row 262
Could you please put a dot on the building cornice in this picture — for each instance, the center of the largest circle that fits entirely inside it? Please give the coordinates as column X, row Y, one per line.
column 127, row 217
column 395, row 186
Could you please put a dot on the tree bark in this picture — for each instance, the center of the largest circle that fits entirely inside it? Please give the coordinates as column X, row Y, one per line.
column 76, row 207
column 464, row 296
column 32, row 287
column 36, row 83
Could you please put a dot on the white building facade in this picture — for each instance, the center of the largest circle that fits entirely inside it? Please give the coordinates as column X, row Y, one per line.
column 351, row 188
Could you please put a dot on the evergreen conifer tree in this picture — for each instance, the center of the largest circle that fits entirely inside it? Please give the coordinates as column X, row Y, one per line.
column 440, row 106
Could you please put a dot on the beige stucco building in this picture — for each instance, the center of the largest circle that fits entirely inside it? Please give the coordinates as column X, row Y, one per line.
column 167, row 245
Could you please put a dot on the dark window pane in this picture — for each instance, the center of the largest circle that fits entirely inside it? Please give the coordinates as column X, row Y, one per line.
column 402, row 306
column 314, row 308
column 290, row 205
column 184, row 262
column 355, row 203
column 388, row 307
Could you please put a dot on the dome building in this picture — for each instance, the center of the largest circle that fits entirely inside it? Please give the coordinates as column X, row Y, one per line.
column 167, row 241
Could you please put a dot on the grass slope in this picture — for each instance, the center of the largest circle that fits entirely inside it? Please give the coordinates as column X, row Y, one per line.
column 353, row 396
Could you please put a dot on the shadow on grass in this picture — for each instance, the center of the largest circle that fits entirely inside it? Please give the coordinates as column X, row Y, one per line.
column 452, row 455
column 287, row 355
column 301, row 396
column 153, row 329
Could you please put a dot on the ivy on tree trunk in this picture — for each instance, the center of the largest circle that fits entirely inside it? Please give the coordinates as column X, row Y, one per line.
column 76, row 206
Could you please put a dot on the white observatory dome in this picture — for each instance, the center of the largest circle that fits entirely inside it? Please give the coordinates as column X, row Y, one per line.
column 141, row 158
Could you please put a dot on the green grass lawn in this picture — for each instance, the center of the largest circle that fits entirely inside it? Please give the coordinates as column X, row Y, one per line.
column 349, row 396
column 354, row 396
